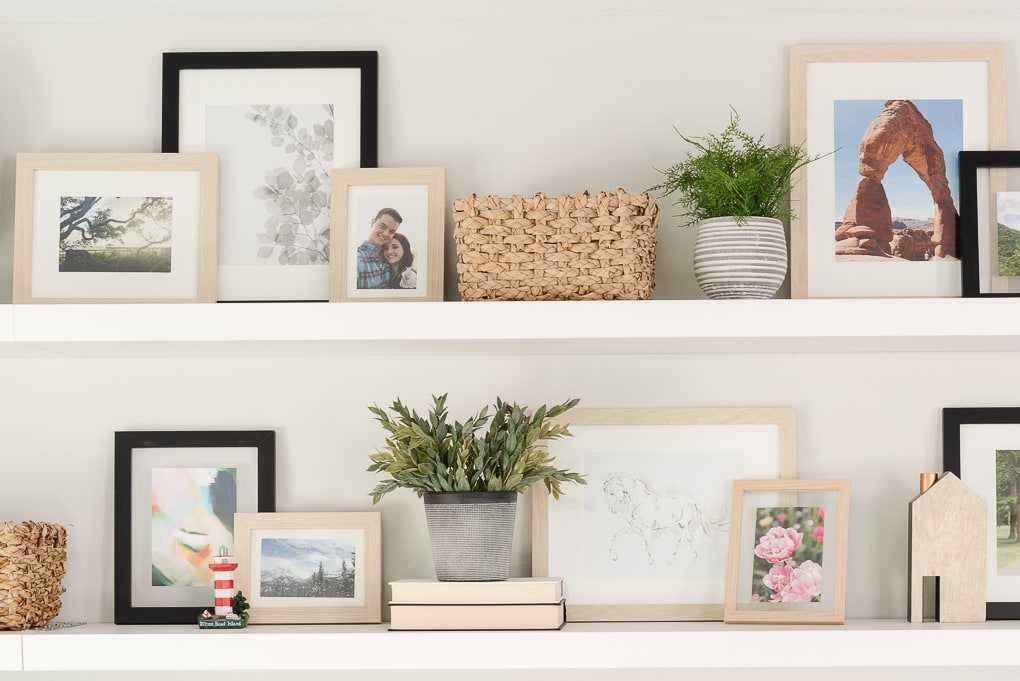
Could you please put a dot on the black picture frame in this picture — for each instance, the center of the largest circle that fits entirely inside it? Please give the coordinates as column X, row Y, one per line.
column 137, row 453
column 320, row 111
column 956, row 458
column 974, row 285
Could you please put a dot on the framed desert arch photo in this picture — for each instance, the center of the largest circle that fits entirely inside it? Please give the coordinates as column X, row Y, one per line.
column 879, row 216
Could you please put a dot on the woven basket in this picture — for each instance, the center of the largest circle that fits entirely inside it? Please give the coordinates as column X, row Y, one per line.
column 31, row 567
column 581, row 247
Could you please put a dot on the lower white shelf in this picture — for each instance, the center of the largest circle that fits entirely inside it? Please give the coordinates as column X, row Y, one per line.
column 694, row 645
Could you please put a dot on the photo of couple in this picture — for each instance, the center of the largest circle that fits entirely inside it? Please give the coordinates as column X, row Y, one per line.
column 385, row 258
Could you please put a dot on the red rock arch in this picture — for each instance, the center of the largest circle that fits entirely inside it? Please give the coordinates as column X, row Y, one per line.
column 900, row 130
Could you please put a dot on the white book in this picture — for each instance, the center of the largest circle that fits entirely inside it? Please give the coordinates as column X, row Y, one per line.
column 475, row 616
column 513, row 590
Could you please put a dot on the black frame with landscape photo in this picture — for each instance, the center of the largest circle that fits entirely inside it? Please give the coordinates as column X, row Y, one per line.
column 981, row 446
column 990, row 223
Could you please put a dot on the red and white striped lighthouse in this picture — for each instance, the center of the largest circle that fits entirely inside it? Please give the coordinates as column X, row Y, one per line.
column 223, row 567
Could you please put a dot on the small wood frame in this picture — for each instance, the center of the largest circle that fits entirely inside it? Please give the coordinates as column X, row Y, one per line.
column 360, row 198
column 345, row 589
column 115, row 228
column 788, row 552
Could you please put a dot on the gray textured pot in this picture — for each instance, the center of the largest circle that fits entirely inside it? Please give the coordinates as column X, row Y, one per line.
column 740, row 261
column 471, row 534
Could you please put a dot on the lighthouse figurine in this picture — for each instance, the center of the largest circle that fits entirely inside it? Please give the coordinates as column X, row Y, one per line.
column 225, row 617
column 223, row 567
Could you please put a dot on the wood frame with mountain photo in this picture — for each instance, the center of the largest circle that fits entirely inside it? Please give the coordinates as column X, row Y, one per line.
column 341, row 554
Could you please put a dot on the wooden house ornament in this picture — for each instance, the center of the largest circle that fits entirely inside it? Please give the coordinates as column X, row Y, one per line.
column 948, row 524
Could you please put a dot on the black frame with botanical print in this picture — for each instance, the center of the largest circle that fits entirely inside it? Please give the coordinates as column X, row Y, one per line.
column 280, row 122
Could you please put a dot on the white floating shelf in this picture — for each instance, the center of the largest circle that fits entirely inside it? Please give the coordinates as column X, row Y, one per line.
column 10, row 652
column 589, row 327
column 859, row 643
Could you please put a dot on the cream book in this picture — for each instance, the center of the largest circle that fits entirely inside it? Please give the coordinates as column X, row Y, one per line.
column 464, row 616
column 513, row 590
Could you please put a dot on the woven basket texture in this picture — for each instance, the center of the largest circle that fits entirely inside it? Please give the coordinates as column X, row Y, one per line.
column 567, row 247
column 31, row 568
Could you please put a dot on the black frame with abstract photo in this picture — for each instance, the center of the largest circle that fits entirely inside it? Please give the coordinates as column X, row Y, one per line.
column 254, row 283
column 954, row 460
column 126, row 526
column 973, row 231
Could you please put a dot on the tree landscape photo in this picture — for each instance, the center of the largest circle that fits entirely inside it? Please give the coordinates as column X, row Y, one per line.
column 307, row 568
column 1007, row 518
column 1008, row 221
column 115, row 233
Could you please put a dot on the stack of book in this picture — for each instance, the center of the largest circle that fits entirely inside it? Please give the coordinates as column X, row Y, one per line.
column 515, row 603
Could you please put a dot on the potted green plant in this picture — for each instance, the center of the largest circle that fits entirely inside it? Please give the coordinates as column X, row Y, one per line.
column 735, row 188
column 470, row 479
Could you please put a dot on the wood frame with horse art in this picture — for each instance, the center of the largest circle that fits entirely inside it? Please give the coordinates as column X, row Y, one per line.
column 646, row 539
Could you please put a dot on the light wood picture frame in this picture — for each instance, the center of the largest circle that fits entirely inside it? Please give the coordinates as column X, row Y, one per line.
column 115, row 228
column 368, row 205
column 838, row 96
column 788, row 552
column 681, row 461
column 315, row 568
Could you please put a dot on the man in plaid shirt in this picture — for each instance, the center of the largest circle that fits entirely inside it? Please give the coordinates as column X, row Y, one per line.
column 373, row 271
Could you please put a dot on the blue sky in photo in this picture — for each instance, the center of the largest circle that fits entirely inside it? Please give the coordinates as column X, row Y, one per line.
column 908, row 195
column 302, row 556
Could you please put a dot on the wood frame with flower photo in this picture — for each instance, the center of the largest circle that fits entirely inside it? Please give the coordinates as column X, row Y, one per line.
column 798, row 530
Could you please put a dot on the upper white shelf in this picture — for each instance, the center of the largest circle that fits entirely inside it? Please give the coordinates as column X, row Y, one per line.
column 589, row 327
column 119, row 11
column 690, row 645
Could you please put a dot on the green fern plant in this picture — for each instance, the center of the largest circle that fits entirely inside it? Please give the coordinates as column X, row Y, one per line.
column 430, row 454
column 733, row 174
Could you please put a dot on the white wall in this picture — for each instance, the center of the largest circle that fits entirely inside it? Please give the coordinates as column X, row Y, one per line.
column 548, row 101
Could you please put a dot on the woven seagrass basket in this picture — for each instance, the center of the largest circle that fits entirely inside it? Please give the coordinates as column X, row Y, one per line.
column 31, row 567
column 567, row 247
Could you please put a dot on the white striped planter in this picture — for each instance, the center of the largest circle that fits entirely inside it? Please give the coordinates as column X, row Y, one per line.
column 740, row 261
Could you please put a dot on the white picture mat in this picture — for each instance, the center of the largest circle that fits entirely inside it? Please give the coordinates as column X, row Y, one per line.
column 340, row 87
column 412, row 202
column 757, row 444
column 756, row 500
column 828, row 82
column 143, row 460
column 354, row 537
column 183, row 186
column 978, row 443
